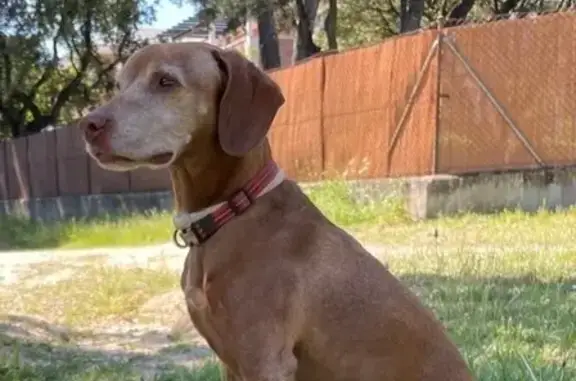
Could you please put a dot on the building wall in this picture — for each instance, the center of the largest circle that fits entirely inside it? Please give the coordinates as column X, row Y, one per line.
column 286, row 46
column 247, row 42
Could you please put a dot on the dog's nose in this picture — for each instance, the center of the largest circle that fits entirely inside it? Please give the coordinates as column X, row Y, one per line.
column 94, row 126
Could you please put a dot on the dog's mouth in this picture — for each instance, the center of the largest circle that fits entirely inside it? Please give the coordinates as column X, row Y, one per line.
column 158, row 159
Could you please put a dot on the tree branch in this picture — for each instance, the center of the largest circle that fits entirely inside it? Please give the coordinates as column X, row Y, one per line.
column 330, row 25
column 305, row 43
column 507, row 6
column 51, row 67
column 69, row 89
column 28, row 103
column 7, row 62
column 460, row 11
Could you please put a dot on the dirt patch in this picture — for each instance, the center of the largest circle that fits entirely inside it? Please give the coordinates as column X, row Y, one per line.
column 159, row 337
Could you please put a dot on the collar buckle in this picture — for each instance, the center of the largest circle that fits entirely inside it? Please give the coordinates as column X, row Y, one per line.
column 240, row 201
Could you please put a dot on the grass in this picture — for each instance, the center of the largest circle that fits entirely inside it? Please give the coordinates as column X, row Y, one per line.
column 95, row 293
column 384, row 222
column 510, row 313
column 504, row 285
column 156, row 227
column 79, row 368
column 136, row 230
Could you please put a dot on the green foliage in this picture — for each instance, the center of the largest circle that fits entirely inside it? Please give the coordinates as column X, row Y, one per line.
column 53, row 62
column 365, row 22
column 236, row 11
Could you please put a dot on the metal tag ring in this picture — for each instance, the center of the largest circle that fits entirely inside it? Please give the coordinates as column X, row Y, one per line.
column 181, row 244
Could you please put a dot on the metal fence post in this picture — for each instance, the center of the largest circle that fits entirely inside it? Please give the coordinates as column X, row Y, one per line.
column 439, row 39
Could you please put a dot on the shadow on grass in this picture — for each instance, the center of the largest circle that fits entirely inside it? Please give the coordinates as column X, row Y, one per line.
column 507, row 328
column 18, row 233
column 33, row 350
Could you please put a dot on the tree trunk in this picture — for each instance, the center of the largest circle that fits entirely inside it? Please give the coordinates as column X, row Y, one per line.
column 330, row 25
column 507, row 7
column 268, row 39
column 411, row 12
column 305, row 46
column 460, row 11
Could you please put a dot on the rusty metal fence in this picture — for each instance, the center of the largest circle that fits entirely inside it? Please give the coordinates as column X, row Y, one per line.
column 473, row 98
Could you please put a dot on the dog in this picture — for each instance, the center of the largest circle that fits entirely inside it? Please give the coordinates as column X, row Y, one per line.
column 277, row 290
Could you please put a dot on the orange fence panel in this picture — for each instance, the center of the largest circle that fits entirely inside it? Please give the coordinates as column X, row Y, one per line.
column 527, row 69
column 414, row 86
column 295, row 135
column 356, row 110
column 366, row 93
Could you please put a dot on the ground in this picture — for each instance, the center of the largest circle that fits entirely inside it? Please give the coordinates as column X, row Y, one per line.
column 504, row 286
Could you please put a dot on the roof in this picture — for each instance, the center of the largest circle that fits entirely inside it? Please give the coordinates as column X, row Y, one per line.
column 193, row 24
column 149, row 33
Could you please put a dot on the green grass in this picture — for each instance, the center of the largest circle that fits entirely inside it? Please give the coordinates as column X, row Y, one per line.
column 79, row 367
column 384, row 222
column 510, row 313
column 504, row 285
column 134, row 230
column 139, row 230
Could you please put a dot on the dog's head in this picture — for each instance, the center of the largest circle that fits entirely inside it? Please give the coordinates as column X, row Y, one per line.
column 171, row 95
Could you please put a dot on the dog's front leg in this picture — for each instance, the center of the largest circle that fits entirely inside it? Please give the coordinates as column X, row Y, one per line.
column 269, row 365
column 268, row 371
column 261, row 353
column 230, row 376
column 260, row 344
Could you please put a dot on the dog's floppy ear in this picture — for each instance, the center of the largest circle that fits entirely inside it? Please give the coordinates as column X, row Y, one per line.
column 248, row 105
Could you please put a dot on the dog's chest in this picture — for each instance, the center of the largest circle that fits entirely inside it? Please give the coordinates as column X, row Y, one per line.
column 203, row 314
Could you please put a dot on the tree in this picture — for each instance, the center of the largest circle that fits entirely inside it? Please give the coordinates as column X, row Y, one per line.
column 50, row 64
column 268, row 37
column 411, row 13
column 362, row 22
column 331, row 25
column 503, row 8
column 306, row 11
column 298, row 14
column 236, row 13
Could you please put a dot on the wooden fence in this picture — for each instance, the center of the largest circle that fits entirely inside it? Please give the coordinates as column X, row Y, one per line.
column 473, row 98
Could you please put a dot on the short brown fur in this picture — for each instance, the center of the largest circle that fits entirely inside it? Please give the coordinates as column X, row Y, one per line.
column 286, row 295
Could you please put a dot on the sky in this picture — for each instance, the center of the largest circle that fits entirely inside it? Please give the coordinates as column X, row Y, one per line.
column 168, row 14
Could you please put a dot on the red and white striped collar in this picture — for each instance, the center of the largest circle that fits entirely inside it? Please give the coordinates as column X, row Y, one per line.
column 193, row 229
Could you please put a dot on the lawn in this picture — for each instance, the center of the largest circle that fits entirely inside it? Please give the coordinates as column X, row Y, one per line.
column 504, row 285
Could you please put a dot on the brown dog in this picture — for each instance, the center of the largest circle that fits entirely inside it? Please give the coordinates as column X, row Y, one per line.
column 278, row 291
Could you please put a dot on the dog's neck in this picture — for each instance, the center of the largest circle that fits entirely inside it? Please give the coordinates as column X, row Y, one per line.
column 201, row 181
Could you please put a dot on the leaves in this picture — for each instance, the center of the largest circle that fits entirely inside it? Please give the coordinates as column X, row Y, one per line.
column 58, row 56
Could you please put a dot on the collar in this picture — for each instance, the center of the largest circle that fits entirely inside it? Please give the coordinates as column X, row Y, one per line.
column 193, row 229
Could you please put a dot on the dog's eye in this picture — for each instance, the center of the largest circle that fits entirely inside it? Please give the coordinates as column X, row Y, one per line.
column 166, row 81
